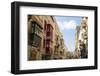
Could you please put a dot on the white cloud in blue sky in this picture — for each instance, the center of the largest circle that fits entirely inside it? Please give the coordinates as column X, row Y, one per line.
column 67, row 25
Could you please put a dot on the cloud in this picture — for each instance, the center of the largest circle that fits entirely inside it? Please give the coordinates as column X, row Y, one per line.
column 64, row 25
column 70, row 25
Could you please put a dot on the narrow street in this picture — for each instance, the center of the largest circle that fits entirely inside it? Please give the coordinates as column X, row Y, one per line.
column 47, row 39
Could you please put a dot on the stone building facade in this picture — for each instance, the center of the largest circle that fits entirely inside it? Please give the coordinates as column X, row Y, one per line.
column 45, row 41
column 48, row 41
column 82, row 39
column 77, row 51
column 35, row 31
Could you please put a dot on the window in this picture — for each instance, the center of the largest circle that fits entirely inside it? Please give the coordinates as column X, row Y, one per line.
column 48, row 27
column 36, row 40
column 48, row 33
column 36, row 28
column 48, row 43
column 35, row 36
column 47, row 50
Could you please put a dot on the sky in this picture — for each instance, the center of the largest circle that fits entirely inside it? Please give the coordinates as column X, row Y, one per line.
column 67, row 25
